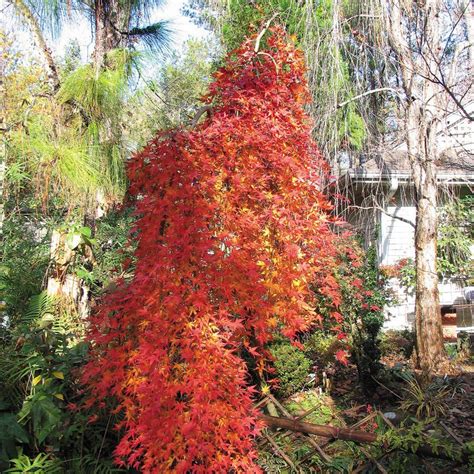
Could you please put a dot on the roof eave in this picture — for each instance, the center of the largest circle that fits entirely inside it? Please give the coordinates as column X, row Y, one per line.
column 377, row 177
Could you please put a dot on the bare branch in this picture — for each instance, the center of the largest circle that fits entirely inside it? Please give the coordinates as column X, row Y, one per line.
column 373, row 91
column 381, row 209
column 202, row 110
column 264, row 30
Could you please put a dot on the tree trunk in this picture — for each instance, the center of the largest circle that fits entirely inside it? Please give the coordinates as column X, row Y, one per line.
column 3, row 146
column 421, row 124
column 429, row 334
column 112, row 19
column 421, row 119
column 112, row 22
column 23, row 9
column 3, row 168
column 104, row 37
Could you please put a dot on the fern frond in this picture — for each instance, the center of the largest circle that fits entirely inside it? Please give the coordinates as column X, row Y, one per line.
column 70, row 325
column 90, row 463
column 40, row 307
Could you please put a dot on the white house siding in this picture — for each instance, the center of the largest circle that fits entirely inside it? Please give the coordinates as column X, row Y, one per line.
column 396, row 243
column 397, row 237
column 401, row 315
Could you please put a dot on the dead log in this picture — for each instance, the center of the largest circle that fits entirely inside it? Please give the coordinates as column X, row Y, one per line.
column 319, row 430
column 347, row 434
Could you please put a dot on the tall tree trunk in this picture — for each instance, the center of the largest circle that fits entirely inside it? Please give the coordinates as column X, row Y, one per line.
column 105, row 35
column 112, row 22
column 112, row 19
column 429, row 334
column 421, row 126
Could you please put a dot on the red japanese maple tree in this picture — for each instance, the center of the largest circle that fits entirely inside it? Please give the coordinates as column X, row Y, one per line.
column 233, row 231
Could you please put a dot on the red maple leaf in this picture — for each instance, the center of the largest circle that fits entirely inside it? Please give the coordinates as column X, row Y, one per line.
column 342, row 357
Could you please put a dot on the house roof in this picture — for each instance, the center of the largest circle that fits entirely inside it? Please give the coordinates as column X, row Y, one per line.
column 455, row 165
column 395, row 164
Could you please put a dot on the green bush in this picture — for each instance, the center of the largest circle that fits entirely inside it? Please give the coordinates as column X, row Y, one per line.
column 292, row 367
column 395, row 342
column 24, row 257
column 41, row 397
column 111, row 252
column 455, row 238
column 41, row 463
column 364, row 294
column 321, row 348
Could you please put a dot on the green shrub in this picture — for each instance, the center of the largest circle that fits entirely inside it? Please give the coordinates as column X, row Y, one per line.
column 113, row 249
column 292, row 367
column 42, row 463
column 40, row 396
column 364, row 294
column 455, row 238
column 425, row 400
column 321, row 348
column 395, row 342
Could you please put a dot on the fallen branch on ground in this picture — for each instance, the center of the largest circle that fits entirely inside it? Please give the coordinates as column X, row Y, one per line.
column 348, row 434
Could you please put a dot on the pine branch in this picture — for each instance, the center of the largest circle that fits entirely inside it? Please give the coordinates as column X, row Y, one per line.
column 155, row 36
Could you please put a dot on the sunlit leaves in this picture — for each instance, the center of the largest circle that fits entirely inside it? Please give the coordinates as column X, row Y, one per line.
column 233, row 232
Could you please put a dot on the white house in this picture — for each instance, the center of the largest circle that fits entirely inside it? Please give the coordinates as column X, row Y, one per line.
column 382, row 209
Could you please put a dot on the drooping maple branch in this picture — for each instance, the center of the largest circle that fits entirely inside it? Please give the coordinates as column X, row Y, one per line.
column 261, row 53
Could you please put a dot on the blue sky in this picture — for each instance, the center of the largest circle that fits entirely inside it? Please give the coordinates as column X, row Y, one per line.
column 182, row 26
